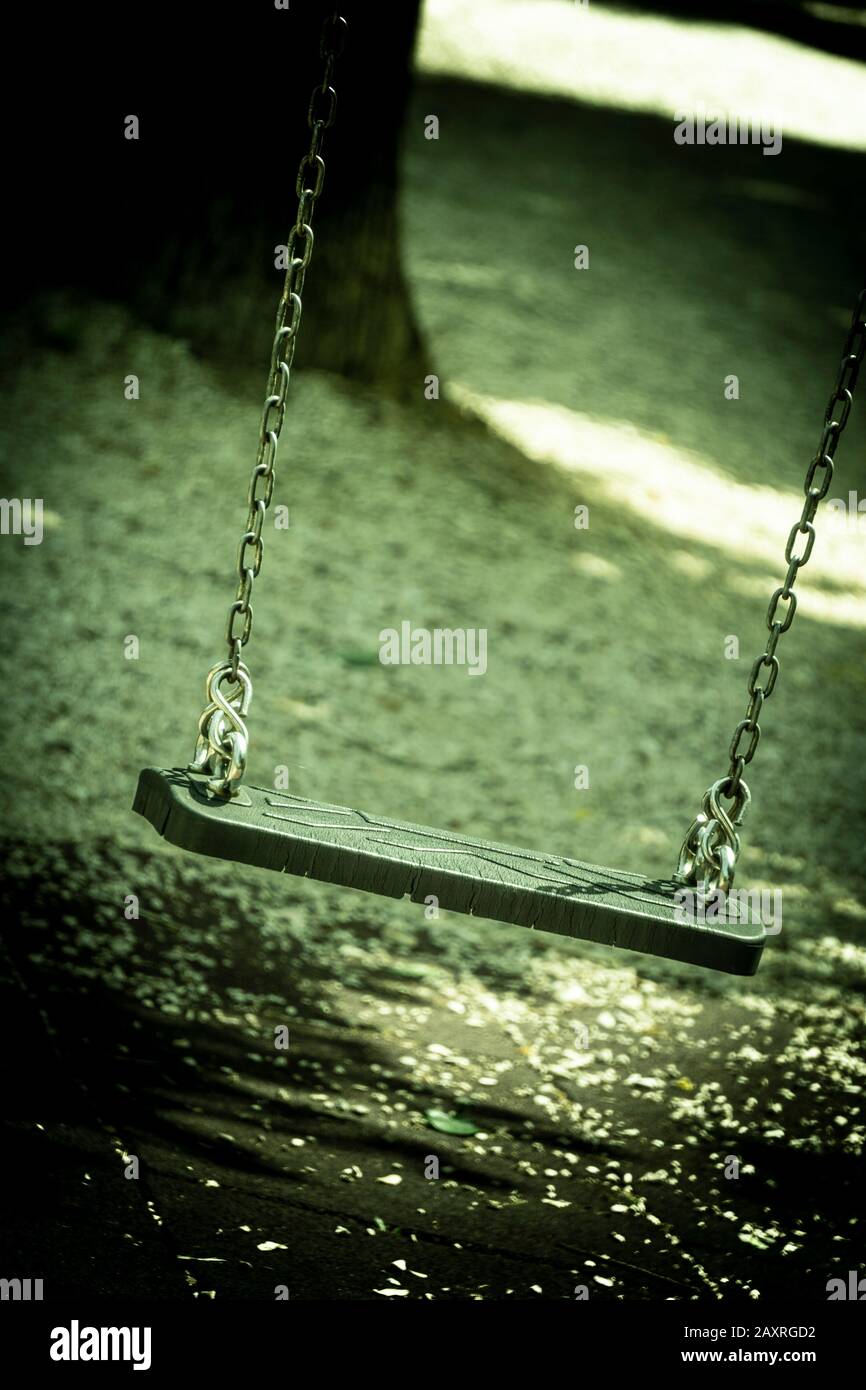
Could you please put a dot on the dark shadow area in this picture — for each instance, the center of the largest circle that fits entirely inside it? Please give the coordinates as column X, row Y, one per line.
column 236, row 1150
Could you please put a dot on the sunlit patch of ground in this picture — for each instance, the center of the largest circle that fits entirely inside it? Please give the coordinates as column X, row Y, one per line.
column 687, row 496
column 640, row 62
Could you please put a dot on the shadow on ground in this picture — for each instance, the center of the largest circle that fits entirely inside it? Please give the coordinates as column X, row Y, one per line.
column 153, row 1040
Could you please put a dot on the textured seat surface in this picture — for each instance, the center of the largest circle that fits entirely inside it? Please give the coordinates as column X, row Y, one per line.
column 336, row 844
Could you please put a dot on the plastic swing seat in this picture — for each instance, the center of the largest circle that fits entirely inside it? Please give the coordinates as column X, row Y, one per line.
column 335, row 844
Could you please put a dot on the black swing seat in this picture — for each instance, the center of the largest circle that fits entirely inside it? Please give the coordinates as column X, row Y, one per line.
column 273, row 830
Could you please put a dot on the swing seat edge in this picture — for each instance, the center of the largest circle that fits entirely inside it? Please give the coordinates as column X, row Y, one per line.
column 480, row 878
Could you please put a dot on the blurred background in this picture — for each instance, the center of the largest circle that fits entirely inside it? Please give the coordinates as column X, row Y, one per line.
column 581, row 1102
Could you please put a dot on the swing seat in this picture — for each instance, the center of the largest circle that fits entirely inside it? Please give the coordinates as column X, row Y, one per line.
column 335, row 844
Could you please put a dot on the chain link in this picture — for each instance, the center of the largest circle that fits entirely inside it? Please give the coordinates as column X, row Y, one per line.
column 222, row 741
column 710, row 849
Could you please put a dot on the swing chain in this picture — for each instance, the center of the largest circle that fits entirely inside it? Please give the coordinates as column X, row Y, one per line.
column 221, row 749
column 710, row 849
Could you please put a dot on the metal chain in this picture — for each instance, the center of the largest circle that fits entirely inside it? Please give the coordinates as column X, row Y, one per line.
column 710, row 849
column 221, row 747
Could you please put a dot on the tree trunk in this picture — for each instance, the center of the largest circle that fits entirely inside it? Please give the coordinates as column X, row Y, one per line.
column 183, row 224
column 220, row 289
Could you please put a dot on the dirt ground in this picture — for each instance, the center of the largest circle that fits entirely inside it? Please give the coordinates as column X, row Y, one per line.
column 597, row 1158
